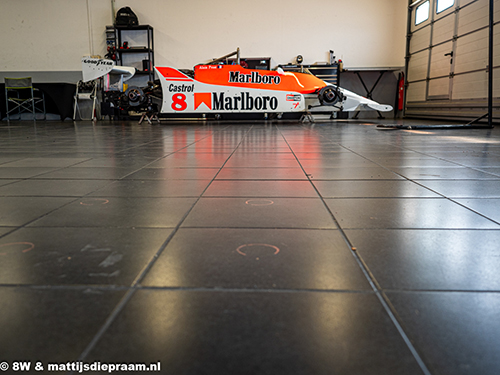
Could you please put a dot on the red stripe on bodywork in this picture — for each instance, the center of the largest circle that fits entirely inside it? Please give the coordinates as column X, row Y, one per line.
column 173, row 74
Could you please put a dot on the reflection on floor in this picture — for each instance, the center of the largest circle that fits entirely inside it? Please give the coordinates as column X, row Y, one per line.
column 250, row 248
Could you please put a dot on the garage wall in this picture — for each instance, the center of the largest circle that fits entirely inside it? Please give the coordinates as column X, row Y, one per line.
column 51, row 35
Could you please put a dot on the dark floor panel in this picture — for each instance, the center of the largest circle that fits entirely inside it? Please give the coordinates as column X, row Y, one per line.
column 47, row 162
column 174, row 174
column 257, row 333
column 17, row 211
column 416, row 162
column 351, row 173
column 456, row 333
column 262, row 174
column 52, row 188
column 378, row 188
column 256, row 160
column 82, row 256
column 88, row 173
column 465, row 189
column 487, row 207
column 225, row 230
column 5, row 159
column 490, row 170
column 307, row 213
column 486, row 161
column 386, row 213
column 24, row 172
column 153, row 188
column 326, row 164
column 4, row 230
column 268, row 189
column 120, row 212
column 258, row 258
column 7, row 182
column 431, row 259
column 51, row 325
column 118, row 162
column 444, row 173
column 189, row 161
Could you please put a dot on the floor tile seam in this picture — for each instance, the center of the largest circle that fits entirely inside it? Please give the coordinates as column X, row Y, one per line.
column 56, row 169
column 258, row 197
column 440, row 291
column 164, row 157
column 390, row 198
column 442, row 159
column 253, row 290
column 16, row 228
column 263, row 179
column 419, row 228
column 271, row 227
column 111, row 182
column 69, row 179
column 425, row 229
column 375, row 285
column 149, row 142
column 30, row 226
column 140, row 287
column 458, row 179
column 189, row 167
column 436, row 192
column 142, row 273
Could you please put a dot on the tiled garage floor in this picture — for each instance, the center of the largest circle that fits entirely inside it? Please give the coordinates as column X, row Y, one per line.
column 250, row 248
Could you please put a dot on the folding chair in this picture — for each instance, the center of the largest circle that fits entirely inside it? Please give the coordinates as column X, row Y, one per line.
column 86, row 91
column 21, row 96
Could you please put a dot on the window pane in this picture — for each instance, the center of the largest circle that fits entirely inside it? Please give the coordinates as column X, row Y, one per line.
column 444, row 4
column 422, row 13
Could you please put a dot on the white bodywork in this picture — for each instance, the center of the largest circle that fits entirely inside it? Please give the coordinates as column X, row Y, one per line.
column 95, row 67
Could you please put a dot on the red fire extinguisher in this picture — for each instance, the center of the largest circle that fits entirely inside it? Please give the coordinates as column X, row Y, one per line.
column 401, row 91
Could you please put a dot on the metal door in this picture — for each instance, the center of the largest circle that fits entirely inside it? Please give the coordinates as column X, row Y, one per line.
column 447, row 59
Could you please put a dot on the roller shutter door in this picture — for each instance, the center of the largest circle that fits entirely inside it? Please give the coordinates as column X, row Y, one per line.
column 447, row 61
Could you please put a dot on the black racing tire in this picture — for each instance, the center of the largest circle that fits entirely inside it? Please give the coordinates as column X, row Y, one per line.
column 135, row 96
column 329, row 95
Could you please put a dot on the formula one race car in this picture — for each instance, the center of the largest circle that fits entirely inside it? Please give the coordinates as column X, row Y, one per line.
column 220, row 88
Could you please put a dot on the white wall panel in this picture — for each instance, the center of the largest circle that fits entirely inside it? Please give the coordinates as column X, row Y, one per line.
column 52, row 35
column 439, row 88
column 470, row 86
column 472, row 52
column 473, row 17
column 418, row 66
column 440, row 63
column 416, row 92
column 496, row 45
column 420, row 40
column 443, row 29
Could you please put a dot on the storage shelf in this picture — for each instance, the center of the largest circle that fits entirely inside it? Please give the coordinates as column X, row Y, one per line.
column 145, row 46
column 134, row 50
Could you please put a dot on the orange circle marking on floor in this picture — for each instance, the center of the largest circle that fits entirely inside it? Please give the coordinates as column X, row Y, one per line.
column 259, row 202
column 276, row 249
column 102, row 200
column 30, row 246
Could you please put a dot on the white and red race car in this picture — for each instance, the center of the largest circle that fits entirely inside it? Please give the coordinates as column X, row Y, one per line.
column 217, row 88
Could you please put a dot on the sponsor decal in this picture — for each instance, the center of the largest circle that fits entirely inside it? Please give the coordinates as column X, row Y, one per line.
column 180, row 88
column 292, row 98
column 98, row 62
column 243, row 102
column 202, row 98
column 254, row 77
